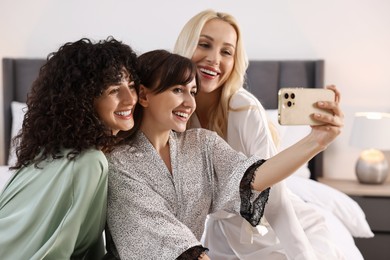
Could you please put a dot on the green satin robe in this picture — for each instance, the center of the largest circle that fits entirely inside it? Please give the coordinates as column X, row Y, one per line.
column 57, row 212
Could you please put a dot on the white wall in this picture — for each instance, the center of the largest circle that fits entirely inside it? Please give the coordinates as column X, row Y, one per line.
column 352, row 36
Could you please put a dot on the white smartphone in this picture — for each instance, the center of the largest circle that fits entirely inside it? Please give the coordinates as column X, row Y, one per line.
column 296, row 105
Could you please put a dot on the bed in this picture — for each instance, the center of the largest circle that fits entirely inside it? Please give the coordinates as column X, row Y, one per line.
column 18, row 75
column 264, row 78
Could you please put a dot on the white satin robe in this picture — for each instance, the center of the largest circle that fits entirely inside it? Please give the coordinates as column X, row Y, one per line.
column 229, row 237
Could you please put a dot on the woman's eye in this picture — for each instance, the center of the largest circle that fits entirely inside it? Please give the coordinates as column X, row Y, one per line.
column 177, row 90
column 113, row 91
column 193, row 92
column 203, row 45
column 227, row 52
column 131, row 85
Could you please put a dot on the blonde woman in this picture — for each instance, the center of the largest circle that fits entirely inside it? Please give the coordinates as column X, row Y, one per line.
column 213, row 41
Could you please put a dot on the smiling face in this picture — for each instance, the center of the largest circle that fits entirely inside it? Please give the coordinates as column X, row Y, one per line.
column 116, row 104
column 170, row 109
column 214, row 54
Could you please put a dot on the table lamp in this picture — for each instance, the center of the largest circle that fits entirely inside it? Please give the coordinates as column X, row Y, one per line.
column 371, row 131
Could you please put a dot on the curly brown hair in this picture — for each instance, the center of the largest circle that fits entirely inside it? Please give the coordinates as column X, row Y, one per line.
column 60, row 106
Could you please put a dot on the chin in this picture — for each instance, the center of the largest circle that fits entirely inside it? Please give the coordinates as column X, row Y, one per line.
column 129, row 127
column 208, row 90
column 179, row 129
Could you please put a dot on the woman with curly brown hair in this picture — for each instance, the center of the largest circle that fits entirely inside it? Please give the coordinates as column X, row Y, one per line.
column 81, row 104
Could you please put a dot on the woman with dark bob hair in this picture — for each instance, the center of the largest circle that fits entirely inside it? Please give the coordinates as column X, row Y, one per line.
column 165, row 180
column 81, row 105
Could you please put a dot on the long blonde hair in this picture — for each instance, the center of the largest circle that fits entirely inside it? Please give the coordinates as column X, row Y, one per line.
column 186, row 44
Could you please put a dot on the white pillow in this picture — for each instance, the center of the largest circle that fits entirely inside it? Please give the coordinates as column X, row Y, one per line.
column 341, row 205
column 289, row 135
column 18, row 110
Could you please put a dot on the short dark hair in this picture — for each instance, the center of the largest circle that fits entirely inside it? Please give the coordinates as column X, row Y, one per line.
column 159, row 70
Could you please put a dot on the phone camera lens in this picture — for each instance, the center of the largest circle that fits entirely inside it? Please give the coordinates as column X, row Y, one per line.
column 292, row 95
column 289, row 103
column 285, row 95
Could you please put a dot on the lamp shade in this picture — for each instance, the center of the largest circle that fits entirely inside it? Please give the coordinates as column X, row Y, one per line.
column 371, row 130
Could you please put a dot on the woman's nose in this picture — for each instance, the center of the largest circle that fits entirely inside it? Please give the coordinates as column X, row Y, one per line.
column 130, row 96
column 189, row 100
column 213, row 58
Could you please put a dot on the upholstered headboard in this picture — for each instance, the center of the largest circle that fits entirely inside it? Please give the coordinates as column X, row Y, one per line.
column 264, row 78
column 18, row 75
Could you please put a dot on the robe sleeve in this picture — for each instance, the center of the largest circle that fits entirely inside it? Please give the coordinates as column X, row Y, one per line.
column 252, row 211
column 233, row 173
column 250, row 134
column 86, row 216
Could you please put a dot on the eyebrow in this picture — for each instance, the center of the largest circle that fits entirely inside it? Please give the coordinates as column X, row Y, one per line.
column 127, row 77
column 211, row 39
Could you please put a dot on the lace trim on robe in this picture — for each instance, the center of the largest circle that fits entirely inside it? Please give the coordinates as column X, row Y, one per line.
column 252, row 211
column 193, row 253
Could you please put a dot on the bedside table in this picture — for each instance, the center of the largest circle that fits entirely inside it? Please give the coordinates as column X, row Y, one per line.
column 375, row 202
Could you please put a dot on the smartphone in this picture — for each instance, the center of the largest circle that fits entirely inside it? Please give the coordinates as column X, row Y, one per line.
column 296, row 105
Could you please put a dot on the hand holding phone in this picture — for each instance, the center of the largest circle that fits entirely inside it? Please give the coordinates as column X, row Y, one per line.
column 296, row 105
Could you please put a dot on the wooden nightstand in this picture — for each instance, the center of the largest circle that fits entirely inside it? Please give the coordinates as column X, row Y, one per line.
column 375, row 202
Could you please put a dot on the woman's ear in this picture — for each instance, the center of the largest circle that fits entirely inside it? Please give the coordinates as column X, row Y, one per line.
column 143, row 96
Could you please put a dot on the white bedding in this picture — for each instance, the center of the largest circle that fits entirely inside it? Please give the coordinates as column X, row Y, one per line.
column 344, row 217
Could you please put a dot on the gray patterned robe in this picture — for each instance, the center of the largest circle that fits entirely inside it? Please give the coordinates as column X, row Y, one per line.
column 153, row 214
